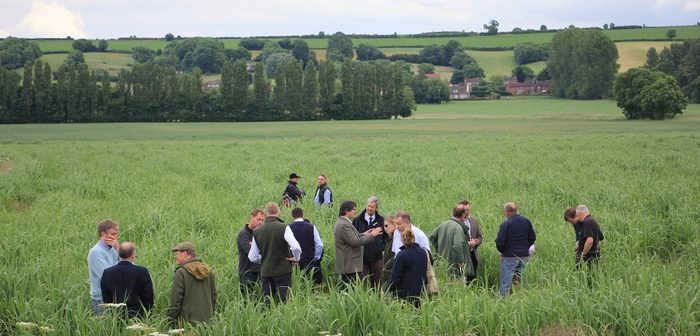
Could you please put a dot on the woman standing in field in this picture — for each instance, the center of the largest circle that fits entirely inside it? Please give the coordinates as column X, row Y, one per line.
column 408, row 275
column 388, row 256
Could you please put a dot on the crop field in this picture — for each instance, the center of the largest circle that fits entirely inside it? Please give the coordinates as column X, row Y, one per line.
column 634, row 54
column 166, row 183
column 503, row 40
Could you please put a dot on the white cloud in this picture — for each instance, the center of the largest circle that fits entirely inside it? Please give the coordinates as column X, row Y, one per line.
column 49, row 19
column 692, row 5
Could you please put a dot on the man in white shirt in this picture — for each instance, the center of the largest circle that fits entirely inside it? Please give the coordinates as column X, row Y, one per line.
column 403, row 221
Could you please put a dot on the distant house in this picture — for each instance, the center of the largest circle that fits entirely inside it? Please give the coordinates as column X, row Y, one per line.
column 528, row 87
column 211, row 85
column 463, row 90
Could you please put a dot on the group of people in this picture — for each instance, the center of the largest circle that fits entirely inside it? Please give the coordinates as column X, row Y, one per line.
column 116, row 280
column 388, row 252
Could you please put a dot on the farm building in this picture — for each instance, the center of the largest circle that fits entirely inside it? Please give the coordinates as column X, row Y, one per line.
column 528, row 87
column 463, row 90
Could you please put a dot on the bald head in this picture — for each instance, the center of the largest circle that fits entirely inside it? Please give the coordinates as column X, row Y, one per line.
column 127, row 250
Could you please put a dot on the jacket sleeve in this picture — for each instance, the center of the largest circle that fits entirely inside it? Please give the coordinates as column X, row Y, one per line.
column 177, row 294
column 352, row 238
column 531, row 235
column 477, row 232
column 434, row 238
column 459, row 247
column 397, row 271
column 501, row 237
column 106, row 292
column 214, row 293
column 147, row 299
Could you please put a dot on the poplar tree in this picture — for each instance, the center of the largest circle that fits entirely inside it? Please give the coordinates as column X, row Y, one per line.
column 310, row 91
column 261, row 98
column 326, row 88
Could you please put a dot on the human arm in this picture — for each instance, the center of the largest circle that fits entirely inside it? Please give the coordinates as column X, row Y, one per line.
column 349, row 235
column 293, row 243
column 214, row 293
column 105, row 286
column 318, row 245
column 254, row 253
column 501, row 238
column 587, row 246
column 476, row 237
column 460, row 248
column 177, row 294
column 433, row 238
column 147, row 297
column 327, row 197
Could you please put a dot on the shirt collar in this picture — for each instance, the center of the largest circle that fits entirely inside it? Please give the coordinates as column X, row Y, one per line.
column 104, row 244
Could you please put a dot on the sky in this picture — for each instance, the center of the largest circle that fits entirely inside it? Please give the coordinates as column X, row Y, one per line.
column 154, row 18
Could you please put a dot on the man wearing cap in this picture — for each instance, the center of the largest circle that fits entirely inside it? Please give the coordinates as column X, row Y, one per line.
column 292, row 193
column 102, row 256
column 272, row 243
column 128, row 283
column 193, row 296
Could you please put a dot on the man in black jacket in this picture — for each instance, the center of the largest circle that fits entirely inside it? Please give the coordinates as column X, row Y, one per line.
column 128, row 283
column 372, row 257
column 515, row 236
column 248, row 272
column 292, row 193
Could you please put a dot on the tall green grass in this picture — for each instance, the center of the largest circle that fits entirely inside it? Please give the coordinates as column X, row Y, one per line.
column 166, row 183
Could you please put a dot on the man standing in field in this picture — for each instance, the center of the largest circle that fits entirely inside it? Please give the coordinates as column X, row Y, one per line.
column 451, row 243
column 128, row 283
column 473, row 233
column 102, row 256
column 271, row 247
column 323, row 195
column 403, row 222
column 248, row 272
column 349, row 243
column 193, row 295
column 292, row 193
column 515, row 236
column 372, row 262
column 311, row 245
column 589, row 238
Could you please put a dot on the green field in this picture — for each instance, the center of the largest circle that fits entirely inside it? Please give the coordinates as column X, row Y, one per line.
column 502, row 40
column 166, row 183
column 112, row 62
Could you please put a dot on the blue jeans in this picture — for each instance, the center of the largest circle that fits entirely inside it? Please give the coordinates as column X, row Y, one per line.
column 96, row 308
column 510, row 267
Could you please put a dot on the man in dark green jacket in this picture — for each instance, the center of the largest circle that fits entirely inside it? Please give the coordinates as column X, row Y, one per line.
column 451, row 243
column 193, row 296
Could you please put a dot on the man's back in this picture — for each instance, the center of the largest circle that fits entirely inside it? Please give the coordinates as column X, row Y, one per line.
column 515, row 236
column 304, row 234
column 128, row 283
column 193, row 296
column 273, row 248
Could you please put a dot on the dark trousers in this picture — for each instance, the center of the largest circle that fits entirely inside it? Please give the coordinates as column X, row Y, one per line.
column 348, row 278
column 277, row 286
column 247, row 283
column 312, row 268
column 372, row 271
column 475, row 264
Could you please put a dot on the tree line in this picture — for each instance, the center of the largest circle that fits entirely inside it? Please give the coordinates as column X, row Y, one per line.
column 151, row 92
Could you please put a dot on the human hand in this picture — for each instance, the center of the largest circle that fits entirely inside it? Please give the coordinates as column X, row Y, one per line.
column 473, row 243
column 292, row 260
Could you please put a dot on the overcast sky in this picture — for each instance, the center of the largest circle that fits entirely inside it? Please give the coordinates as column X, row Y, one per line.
column 155, row 18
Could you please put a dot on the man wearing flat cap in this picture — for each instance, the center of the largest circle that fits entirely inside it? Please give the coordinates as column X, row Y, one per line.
column 193, row 296
column 292, row 193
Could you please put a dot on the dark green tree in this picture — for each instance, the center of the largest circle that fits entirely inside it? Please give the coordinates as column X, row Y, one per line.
column 543, row 28
column 652, row 58
column 349, row 103
column 252, row 43
column 460, row 59
column 260, row 102
column 671, row 34
column 647, row 94
column 522, row 73
column 473, row 70
column 9, row 88
column 102, row 45
column 339, row 47
column 310, row 91
column 169, row 37
column 285, row 44
column 15, row 52
column 366, row 52
column 491, row 27
column 301, row 51
column 682, row 61
column 327, row 76
column 142, row 54
column 237, row 54
column 582, row 64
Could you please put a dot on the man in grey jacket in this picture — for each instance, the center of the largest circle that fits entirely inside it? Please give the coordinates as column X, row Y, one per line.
column 349, row 243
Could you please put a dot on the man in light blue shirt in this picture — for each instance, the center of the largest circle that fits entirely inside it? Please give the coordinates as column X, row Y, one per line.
column 102, row 256
column 323, row 195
